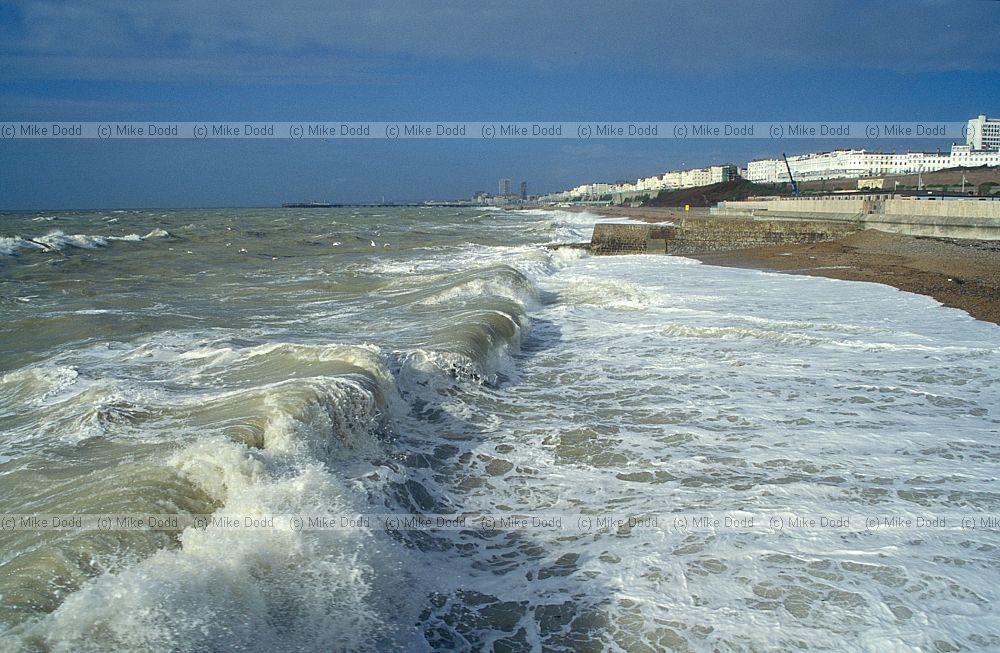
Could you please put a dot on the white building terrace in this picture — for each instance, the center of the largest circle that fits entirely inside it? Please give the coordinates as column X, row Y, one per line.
column 848, row 164
column 982, row 148
column 671, row 180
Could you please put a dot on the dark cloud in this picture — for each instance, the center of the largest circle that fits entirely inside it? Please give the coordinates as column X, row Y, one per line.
column 320, row 41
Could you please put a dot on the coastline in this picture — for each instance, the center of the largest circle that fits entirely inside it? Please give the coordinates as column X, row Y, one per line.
column 963, row 274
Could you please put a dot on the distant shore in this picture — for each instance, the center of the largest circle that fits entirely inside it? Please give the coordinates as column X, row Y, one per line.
column 963, row 274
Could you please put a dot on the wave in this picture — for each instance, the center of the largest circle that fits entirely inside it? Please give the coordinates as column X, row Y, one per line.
column 263, row 364
column 564, row 226
column 335, row 393
column 478, row 319
column 496, row 281
column 323, row 419
column 59, row 241
column 482, row 331
column 613, row 293
column 263, row 430
column 474, row 349
column 226, row 589
column 33, row 385
column 274, row 448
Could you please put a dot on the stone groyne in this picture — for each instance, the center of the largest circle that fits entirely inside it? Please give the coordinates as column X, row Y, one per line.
column 705, row 235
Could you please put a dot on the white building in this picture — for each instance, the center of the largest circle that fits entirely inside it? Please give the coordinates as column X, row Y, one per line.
column 849, row 164
column 966, row 155
column 766, row 171
column 983, row 133
column 584, row 190
column 675, row 179
column 671, row 180
column 649, row 183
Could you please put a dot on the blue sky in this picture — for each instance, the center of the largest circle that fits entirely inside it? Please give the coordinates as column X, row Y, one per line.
column 407, row 61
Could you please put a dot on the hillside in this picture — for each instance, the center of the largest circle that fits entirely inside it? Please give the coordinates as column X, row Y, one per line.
column 738, row 189
column 982, row 180
column 944, row 180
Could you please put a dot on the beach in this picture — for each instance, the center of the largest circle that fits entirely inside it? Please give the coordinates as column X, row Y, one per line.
column 962, row 274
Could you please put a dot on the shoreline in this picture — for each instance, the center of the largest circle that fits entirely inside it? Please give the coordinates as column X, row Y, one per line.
column 963, row 274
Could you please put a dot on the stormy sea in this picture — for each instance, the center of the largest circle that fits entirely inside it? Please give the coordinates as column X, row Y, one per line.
column 421, row 429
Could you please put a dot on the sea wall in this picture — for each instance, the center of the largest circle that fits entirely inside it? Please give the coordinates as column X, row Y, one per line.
column 703, row 235
column 969, row 209
column 708, row 235
column 965, row 218
column 801, row 204
column 629, row 239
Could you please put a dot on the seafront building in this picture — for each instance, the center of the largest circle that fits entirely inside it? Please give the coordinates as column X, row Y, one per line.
column 849, row 164
column 983, row 133
column 505, row 196
column 671, row 180
column 982, row 148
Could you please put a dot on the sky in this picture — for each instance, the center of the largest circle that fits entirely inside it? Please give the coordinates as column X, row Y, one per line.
column 410, row 60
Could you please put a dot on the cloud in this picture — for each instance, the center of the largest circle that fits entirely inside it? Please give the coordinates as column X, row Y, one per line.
column 272, row 69
column 42, row 108
column 314, row 41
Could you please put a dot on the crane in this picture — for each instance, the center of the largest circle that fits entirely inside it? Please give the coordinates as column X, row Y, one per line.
column 795, row 187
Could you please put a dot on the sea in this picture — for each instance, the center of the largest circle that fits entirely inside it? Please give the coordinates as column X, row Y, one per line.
column 426, row 429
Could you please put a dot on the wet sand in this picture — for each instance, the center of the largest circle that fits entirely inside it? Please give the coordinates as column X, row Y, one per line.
column 963, row 274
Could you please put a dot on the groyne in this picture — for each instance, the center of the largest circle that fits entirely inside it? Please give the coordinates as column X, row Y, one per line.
column 705, row 234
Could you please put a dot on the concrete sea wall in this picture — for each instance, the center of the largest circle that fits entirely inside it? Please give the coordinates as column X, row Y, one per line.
column 966, row 218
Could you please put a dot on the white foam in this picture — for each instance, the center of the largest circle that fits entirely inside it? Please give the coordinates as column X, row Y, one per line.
column 255, row 590
column 500, row 282
column 61, row 241
column 611, row 292
column 321, row 419
column 9, row 246
column 34, row 385
column 732, row 390
column 648, row 385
